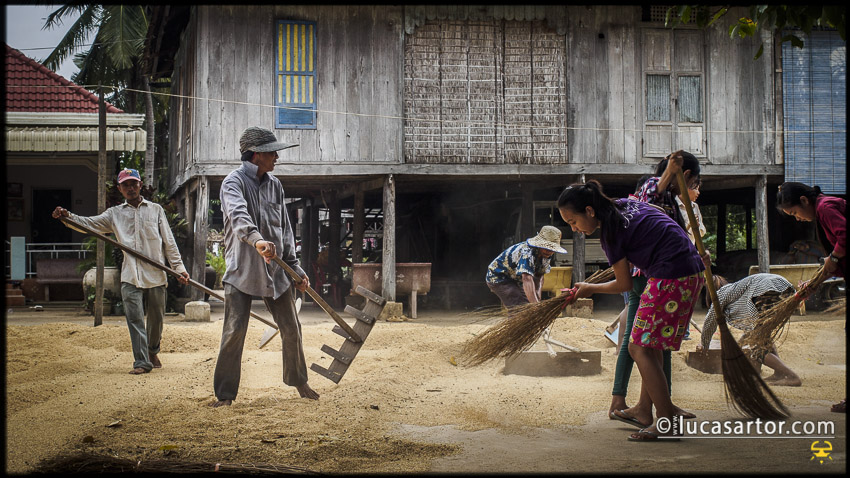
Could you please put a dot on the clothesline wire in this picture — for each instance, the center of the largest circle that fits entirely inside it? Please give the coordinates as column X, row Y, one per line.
column 413, row 118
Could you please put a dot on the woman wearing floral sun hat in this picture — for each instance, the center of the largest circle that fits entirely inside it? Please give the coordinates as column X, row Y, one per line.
column 516, row 275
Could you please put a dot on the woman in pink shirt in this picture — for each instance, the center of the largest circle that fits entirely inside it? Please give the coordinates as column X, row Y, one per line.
column 809, row 204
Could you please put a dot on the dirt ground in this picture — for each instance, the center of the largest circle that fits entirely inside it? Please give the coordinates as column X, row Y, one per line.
column 402, row 407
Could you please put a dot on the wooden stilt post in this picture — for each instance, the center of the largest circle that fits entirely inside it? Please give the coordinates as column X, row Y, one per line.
column 761, row 224
column 578, row 251
column 388, row 267
column 359, row 226
column 334, row 272
column 201, row 226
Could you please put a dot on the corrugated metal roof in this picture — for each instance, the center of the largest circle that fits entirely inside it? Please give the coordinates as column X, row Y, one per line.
column 30, row 86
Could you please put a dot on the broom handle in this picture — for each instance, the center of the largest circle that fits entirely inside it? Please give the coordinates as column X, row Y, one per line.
column 139, row 255
column 709, row 279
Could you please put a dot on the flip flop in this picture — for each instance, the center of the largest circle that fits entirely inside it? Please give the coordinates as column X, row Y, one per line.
column 626, row 418
column 138, row 371
column 645, row 435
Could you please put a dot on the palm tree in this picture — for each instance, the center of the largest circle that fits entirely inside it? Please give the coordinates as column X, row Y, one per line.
column 113, row 58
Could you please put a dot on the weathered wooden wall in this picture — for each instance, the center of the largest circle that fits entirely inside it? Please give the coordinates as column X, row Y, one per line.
column 358, row 71
column 741, row 98
column 497, row 90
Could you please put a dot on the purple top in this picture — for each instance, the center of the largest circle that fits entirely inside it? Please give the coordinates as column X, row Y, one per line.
column 653, row 242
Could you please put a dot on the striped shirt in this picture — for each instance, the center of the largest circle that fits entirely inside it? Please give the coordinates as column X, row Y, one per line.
column 737, row 302
column 254, row 210
column 144, row 229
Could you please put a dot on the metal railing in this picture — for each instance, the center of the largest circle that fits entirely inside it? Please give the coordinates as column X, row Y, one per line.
column 47, row 250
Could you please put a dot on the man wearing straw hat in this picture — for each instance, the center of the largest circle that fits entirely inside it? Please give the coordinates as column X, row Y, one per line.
column 142, row 225
column 516, row 275
column 256, row 224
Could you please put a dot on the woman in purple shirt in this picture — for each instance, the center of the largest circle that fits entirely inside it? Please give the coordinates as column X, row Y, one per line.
column 642, row 234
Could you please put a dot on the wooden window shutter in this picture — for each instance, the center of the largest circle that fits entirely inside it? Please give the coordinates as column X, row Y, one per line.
column 295, row 75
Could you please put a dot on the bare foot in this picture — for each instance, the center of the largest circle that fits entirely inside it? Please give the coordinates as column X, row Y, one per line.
column 682, row 413
column 793, row 381
column 306, row 392
column 155, row 361
column 221, row 403
column 618, row 402
column 138, row 371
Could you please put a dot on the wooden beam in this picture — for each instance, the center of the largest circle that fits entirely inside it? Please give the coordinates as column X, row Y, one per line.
column 201, row 226
column 388, row 267
column 312, row 243
column 721, row 228
column 579, row 250
column 322, row 171
column 306, row 225
column 526, row 227
column 362, row 186
column 359, row 227
column 334, row 272
column 761, row 225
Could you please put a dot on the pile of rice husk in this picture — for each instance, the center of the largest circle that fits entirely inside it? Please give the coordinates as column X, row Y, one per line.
column 68, row 393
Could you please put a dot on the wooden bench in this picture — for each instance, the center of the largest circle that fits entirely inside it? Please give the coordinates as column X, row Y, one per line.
column 57, row 271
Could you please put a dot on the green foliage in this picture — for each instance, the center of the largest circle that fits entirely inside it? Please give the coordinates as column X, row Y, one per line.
column 217, row 262
column 90, row 244
column 775, row 18
column 108, row 296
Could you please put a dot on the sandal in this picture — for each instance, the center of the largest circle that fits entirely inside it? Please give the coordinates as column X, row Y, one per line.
column 624, row 417
column 645, row 435
column 840, row 407
column 138, row 371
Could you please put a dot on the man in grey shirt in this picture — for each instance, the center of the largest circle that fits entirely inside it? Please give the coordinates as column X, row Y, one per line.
column 256, row 223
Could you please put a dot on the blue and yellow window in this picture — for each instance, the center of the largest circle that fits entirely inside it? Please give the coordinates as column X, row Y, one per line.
column 295, row 75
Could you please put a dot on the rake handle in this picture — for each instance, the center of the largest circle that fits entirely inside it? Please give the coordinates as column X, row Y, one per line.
column 709, row 278
column 324, row 305
column 75, row 225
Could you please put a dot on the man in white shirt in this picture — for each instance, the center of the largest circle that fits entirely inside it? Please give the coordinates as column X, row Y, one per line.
column 141, row 225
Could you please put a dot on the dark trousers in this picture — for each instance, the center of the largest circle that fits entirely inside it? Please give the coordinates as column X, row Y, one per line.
column 237, row 308
column 511, row 293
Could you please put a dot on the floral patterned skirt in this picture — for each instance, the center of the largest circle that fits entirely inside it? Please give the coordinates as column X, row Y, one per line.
column 665, row 310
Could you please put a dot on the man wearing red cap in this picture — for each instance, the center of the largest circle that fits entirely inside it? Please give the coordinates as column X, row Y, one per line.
column 143, row 226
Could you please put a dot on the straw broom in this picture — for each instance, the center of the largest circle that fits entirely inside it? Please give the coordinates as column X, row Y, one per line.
column 772, row 322
column 744, row 386
column 523, row 325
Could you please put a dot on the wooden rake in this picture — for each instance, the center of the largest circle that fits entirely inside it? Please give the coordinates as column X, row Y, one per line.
column 138, row 255
column 744, row 385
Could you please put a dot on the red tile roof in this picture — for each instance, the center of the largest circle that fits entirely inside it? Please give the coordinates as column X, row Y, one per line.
column 25, row 89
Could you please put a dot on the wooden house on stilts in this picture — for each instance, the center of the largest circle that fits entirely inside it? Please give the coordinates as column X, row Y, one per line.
column 441, row 134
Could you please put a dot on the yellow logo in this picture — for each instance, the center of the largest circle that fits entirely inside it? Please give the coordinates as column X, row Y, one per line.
column 821, row 451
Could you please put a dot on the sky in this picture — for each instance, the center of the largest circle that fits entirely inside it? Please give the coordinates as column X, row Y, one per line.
column 24, row 32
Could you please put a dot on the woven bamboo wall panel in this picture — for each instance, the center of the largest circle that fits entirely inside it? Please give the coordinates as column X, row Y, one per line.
column 484, row 91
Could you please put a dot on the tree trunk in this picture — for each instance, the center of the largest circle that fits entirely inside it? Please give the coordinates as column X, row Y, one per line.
column 149, row 128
